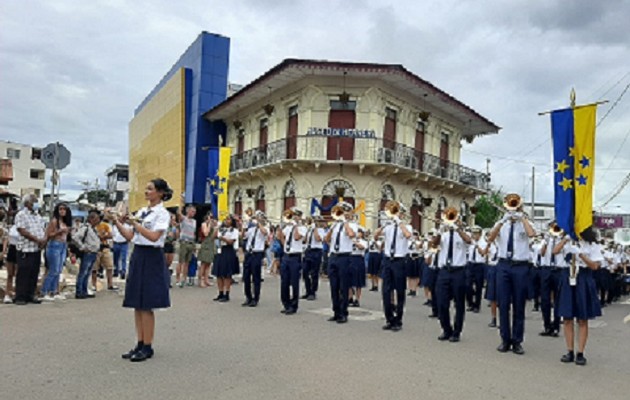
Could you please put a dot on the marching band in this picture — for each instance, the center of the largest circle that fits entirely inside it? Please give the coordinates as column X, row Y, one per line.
column 453, row 263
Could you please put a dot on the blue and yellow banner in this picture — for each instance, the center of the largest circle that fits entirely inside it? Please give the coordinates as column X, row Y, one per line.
column 219, row 183
column 573, row 134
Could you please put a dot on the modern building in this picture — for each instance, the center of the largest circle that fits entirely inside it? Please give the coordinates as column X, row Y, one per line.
column 307, row 132
column 22, row 171
column 168, row 137
column 117, row 183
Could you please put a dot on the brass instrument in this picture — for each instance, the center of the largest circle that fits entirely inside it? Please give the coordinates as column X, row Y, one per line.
column 288, row 216
column 555, row 230
column 338, row 213
column 392, row 209
column 512, row 202
column 450, row 216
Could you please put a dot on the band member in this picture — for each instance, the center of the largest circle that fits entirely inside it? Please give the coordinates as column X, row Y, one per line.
column 550, row 281
column 475, row 270
column 339, row 239
column 451, row 279
column 578, row 294
column 375, row 257
column 534, row 272
column 357, row 261
column 603, row 276
column 147, row 282
column 414, row 264
column 225, row 261
column 492, row 256
column 292, row 239
column 396, row 247
column 255, row 237
column 429, row 274
column 512, row 235
column 313, row 248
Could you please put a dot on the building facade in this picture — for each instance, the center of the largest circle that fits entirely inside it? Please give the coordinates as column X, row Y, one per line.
column 308, row 132
column 117, row 183
column 22, row 169
column 168, row 137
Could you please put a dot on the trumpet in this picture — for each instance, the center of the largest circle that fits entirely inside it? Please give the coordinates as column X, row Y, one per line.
column 338, row 213
column 392, row 209
column 512, row 202
column 450, row 216
column 288, row 216
column 555, row 230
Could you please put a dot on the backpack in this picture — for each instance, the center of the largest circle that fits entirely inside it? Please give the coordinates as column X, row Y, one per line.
column 74, row 245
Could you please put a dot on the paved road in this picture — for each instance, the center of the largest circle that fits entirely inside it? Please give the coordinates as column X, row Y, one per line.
column 206, row 350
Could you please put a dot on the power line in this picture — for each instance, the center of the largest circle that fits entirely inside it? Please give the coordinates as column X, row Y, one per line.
column 617, row 191
column 614, row 105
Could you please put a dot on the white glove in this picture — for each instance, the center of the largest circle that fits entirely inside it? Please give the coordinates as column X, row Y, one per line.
column 397, row 220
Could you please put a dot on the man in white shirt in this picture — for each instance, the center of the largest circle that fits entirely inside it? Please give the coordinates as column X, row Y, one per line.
column 313, row 249
column 255, row 238
column 292, row 239
column 32, row 240
column 550, row 265
column 395, row 250
column 475, row 270
column 511, row 235
column 451, row 279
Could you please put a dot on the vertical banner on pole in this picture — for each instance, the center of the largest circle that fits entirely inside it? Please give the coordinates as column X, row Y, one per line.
column 223, row 175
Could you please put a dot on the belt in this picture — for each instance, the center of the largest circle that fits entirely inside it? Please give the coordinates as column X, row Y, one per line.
column 313, row 249
column 146, row 246
column 104, row 247
column 394, row 258
column 293, row 255
column 339, row 254
column 452, row 269
column 514, row 262
column 414, row 256
column 120, row 242
column 550, row 268
column 256, row 252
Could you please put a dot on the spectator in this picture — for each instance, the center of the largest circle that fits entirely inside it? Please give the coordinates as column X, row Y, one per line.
column 121, row 246
column 57, row 250
column 88, row 242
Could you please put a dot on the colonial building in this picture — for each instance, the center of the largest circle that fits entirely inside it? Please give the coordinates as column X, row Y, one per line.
column 21, row 169
column 307, row 132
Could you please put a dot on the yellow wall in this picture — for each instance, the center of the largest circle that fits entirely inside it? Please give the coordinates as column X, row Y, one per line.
column 156, row 142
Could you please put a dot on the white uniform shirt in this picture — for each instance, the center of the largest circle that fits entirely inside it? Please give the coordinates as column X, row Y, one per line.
column 402, row 243
column 345, row 242
column 460, row 248
column 592, row 251
column 493, row 255
column 356, row 251
column 116, row 235
column 375, row 246
column 292, row 246
column 546, row 259
column 608, row 255
column 521, row 242
column 230, row 234
column 310, row 241
column 153, row 219
column 415, row 248
column 474, row 256
column 256, row 244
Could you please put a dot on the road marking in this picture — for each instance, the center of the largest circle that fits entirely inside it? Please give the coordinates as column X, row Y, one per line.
column 355, row 314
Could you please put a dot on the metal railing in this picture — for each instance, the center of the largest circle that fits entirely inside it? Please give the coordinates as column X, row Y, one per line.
column 362, row 150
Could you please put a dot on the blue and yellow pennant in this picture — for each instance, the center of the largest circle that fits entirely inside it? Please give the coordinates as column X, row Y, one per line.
column 573, row 134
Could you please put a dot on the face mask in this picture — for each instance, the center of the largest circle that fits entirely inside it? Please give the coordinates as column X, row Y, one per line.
column 35, row 207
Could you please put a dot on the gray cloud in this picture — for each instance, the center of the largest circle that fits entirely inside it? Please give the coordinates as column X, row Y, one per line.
column 74, row 71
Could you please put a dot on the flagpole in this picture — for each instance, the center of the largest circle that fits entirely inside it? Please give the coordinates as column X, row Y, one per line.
column 584, row 105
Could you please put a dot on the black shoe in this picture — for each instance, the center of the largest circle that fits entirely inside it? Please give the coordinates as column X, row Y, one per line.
column 426, row 303
column 283, row 311
column 568, row 358
column 35, row 301
column 130, row 353
column 342, row 320
column 410, row 293
column 19, row 302
column 112, row 288
column 304, row 297
column 291, row 311
column 80, row 296
column 388, row 327
column 443, row 337
column 517, row 349
column 396, row 328
column 580, row 360
column 310, row 297
column 433, row 316
column 90, row 296
column 253, row 303
column 554, row 333
column 246, row 303
column 352, row 303
column 139, row 356
column 374, row 289
column 115, row 274
column 546, row 332
column 224, row 299
column 493, row 323
column 356, row 303
column 476, row 310
column 334, row 318
column 218, row 298
column 122, row 276
column 470, row 308
column 454, row 338
column 503, row 347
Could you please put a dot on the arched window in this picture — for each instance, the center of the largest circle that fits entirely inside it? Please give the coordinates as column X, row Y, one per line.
column 238, row 202
column 260, row 198
column 442, row 204
column 289, row 194
column 416, row 210
column 387, row 194
column 337, row 188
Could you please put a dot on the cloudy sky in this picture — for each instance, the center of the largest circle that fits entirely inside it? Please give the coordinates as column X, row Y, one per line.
column 73, row 71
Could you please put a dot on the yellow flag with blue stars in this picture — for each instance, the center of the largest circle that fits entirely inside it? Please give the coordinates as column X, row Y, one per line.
column 573, row 134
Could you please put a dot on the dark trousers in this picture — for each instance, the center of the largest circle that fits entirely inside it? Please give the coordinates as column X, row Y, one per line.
column 603, row 280
column 339, row 276
column 310, row 274
column 474, row 284
column 536, row 282
column 549, row 284
column 290, row 281
column 252, row 268
column 513, row 286
column 394, row 279
column 451, row 285
column 26, row 278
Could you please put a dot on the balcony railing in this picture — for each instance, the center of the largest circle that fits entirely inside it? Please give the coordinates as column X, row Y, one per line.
column 360, row 151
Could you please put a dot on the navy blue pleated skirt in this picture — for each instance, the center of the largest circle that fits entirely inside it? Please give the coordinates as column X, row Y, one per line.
column 491, row 283
column 579, row 301
column 225, row 264
column 429, row 276
column 374, row 263
column 148, row 279
column 357, row 263
column 412, row 267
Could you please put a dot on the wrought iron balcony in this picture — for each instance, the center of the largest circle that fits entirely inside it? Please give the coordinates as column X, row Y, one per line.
column 358, row 151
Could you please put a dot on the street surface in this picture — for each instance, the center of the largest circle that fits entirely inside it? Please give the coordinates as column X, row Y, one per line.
column 207, row 350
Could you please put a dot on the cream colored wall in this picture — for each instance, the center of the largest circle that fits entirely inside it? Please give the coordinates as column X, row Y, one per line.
column 22, row 183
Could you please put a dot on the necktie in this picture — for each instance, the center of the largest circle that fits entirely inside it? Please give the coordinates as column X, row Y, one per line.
column 435, row 259
column 510, row 244
column 553, row 256
column 252, row 240
column 308, row 240
column 449, row 254
column 475, row 253
column 288, row 247
column 338, row 238
column 392, row 249
column 145, row 214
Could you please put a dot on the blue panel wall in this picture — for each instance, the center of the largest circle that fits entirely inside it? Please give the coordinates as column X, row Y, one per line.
column 206, row 62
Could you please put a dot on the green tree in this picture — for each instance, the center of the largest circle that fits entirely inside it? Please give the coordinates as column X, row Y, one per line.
column 487, row 212
column 94, row 196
